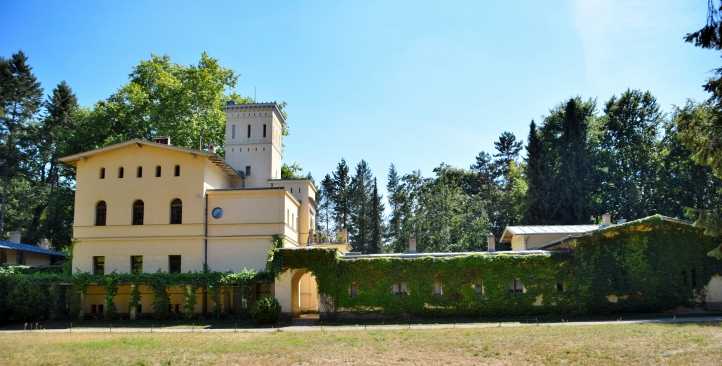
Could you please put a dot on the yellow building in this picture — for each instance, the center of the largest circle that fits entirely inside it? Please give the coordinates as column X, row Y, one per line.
column 145, row 206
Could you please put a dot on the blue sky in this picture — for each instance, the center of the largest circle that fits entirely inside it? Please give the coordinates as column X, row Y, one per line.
column 411, row 83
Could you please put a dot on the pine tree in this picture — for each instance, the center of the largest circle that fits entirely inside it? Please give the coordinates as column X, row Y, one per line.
column 376, row 221
column 538, row 178
column 507, row 151
column 325, row 205
column 20, row 99
column 575, row 165
column 360, row 199
column 396, row 202
column 340, row 196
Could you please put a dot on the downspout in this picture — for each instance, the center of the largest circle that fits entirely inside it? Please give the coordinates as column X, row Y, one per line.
column 205, row 251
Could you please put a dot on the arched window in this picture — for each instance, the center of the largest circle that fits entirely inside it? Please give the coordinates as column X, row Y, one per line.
column 176, row 171
column 120, row 172
column 138, row 212
column 101, row 210
column 176, row 211
column 157, row 171
column 102, row 173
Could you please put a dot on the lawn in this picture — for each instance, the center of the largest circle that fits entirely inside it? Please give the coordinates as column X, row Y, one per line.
column 598, row 344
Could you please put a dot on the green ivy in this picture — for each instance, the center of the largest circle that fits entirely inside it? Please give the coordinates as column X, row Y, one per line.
column 642, row 263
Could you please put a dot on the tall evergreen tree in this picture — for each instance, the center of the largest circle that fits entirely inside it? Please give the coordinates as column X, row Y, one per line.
column 538, row 178
column 507, row 150
column 575, row 183
column 340, row 196
column 325, row 206
column 360, row 202
column 20, row 99
column 396, row 198
column 376, row 221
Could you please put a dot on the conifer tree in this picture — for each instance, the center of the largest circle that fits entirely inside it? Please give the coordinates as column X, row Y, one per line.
column 360, row 203
column 340, row 196
column 538, row 178
column 20, row 99
column 376, row 221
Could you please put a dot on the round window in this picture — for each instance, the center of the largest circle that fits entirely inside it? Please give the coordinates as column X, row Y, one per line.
column 217, row 213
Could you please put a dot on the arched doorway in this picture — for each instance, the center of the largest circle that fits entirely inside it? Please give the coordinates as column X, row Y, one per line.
column 304, row 293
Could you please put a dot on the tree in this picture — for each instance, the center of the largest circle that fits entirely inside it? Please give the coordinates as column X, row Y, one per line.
column 538, row 178
column 376, row 219
column 507, row 150
column 340, row 197
column 574, row 172
column 360, row 199
column 293, row 171
column 396, row 199
column 703, row 136
column 20, row 99
column 325, row 206
column 52, row 182
column 168, row 99
column 628, row 156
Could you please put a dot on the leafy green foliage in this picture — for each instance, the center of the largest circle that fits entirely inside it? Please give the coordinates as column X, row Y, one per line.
column 649, row 265
column 266, row 311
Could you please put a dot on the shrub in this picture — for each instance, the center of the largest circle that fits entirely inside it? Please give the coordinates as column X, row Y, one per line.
column 266, row 311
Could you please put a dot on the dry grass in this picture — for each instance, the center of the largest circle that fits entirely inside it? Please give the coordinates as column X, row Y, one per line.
column 602, row 344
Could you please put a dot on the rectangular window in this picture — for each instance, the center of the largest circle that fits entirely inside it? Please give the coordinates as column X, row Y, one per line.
column 233, row 131
column 516, row 286
column 139, row 172
column 20, row 257
column 176, row 171
column 478, row 288
column 264, row 130
column 102, row 173
column 400, row 288
column 438, row 288
column 248, row 170
column 174, row 264
column 121, row 172
column 249, row 131
column 136, row 264
column 157, row 171
column 353, row 290
column 98, row 265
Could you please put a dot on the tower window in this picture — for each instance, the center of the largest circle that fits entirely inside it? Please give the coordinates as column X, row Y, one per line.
column 248, row 170
column 100, row 212
column 120, row 172
column 264, row 130
column 157, row 170
column 233, row 131
column 249, row 131
column 176, row 171
column 139, row 172
column 102, row 173
column 176, row 211
column 138, row 209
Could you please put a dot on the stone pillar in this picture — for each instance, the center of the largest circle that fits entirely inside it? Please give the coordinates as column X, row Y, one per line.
column 81, row 314
column 490, row 242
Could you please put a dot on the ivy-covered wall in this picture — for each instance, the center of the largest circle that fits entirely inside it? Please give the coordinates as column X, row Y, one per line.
column 647, row 265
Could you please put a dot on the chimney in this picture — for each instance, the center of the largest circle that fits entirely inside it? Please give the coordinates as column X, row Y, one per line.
column 412, row 244
column 490, row 242
column 212, row 148
column 14, row 236
column 163, row 140
column 606, row 219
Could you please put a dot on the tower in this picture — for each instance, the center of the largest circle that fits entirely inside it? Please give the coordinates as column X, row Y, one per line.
column 254, row 141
